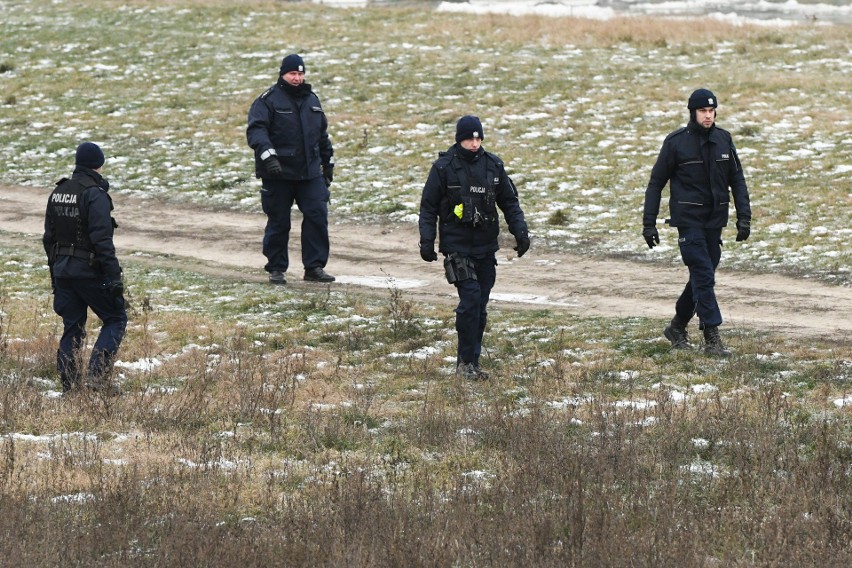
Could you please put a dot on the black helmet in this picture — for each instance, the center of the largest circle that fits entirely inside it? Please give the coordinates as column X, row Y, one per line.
column 702, row 98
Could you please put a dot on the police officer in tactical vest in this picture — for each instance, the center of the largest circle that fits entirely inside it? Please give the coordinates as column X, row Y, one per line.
column 463, row 192
column 288, row 131
column 701, row 166
column 84, row 271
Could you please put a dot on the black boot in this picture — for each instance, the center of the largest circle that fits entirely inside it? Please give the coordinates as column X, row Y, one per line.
column 471, row 372
column 713, row 342
column 103, row 386
column 676, row 333
column 317, row 274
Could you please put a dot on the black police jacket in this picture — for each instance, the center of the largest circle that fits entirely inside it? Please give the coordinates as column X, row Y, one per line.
column 291, row 122
column 461, row 198
column 79, row 228
column 700, row 167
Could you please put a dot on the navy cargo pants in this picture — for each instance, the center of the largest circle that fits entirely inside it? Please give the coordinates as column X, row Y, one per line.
column 311, row 196
column 471, row 313
column 701, row 250
column 71, row 300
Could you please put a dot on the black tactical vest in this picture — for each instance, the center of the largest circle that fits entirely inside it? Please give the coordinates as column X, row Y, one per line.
column 63, row 209
column 478, row 201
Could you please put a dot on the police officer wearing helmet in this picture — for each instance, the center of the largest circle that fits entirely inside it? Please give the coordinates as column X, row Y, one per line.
column 288, row 131
column 463, row 192
column 85, row 273
column 701, row 165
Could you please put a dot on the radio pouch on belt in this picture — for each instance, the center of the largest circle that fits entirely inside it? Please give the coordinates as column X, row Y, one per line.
column 459, row 268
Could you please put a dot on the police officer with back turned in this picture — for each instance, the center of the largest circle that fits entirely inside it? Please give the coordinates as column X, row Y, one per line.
column 288, row 131
column 465, row 187
column 85, row 273
column 700, row 164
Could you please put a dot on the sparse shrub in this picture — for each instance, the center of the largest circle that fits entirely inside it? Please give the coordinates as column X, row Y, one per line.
column 558, row 218
column 403, row 318
column 749, row 130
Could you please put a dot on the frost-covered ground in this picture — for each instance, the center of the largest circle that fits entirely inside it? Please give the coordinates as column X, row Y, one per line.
column 778, row 12
column 768, row 12
column 578, row 124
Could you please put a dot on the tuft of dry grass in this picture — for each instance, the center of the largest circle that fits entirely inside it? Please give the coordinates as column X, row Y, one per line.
column 320, row 446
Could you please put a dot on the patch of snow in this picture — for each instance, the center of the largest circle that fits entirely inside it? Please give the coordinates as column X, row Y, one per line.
column 382, row 282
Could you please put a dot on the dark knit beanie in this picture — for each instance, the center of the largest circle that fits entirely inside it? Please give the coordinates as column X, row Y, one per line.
column 469, row 127
column 292, row 62
column 702, row 98
column 89, row 155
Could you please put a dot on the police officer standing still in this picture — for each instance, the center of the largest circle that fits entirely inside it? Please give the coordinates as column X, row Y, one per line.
column 288, row 131
column 700, row 164
column 85, row 273
column 465, row 187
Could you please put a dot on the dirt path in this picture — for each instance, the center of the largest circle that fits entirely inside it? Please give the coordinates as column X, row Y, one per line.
column 366, row 257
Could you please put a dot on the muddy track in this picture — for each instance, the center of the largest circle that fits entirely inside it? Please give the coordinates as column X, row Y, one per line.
column 365, row 257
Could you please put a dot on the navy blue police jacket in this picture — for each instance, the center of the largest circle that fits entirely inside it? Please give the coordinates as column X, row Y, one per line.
column 703, row 171
column 79, row 212
column 290, row 121
column 479, row 184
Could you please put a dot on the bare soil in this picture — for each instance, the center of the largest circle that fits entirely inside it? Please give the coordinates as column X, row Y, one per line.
column 366, row 257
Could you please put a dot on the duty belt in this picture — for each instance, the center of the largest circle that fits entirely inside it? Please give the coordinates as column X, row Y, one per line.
column 77, row 252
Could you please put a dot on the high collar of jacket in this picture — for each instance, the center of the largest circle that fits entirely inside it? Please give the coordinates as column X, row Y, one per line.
column 97, row 178
column 696, row 128
column 299, row 92
column 467, row 155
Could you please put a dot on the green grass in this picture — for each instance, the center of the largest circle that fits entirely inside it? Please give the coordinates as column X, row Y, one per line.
column 578, row 110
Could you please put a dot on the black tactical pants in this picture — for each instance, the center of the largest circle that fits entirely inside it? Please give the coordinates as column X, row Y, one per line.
column 471, row 313
column 277, row 198
column 72, row 299
column 701, row 250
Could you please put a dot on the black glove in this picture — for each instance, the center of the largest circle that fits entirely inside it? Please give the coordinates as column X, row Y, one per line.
column 652, row 237
column 522, row 245
column 328, row 173
column 273, row 166
column 427, row 251
column 116, row 286
column 743, row 229
column 52, row 281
